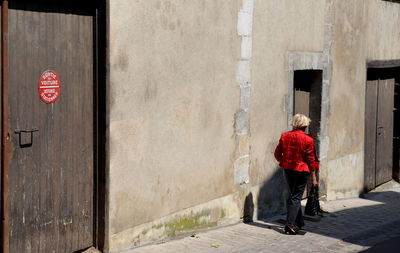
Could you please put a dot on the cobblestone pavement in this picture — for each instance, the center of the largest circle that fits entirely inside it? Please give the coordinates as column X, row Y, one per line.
column 352, row 225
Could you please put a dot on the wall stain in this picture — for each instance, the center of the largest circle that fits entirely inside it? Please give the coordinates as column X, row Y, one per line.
column 151, row 90
column 123, row 62
column 183, row 224
column 187, row 223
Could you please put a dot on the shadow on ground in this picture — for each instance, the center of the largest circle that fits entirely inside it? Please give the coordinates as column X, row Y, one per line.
column 365, row 226
column 388, row 246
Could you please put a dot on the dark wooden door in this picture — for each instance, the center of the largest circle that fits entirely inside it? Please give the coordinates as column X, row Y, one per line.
column 307, row 101
column 308, row 98
column 379, row 132
column 396, row 134
column 301, row 105
column 302, row 102
column 371, row 107
column 51, row 175
column 384, row 139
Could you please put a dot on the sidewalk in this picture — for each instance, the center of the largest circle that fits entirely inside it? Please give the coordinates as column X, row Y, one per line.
column 352, row 225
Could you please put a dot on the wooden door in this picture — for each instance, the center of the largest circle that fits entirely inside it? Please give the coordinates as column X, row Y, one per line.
column 51, row 164
column 384, row 131
column 371, row 107
column 302, row 105
column 379, row 132
column 302, row 102
column 396, row 134
column 307, row 101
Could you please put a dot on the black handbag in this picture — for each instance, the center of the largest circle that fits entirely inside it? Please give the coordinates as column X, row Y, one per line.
column 312, row 206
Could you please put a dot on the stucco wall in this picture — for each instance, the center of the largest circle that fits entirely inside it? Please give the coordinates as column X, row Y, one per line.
column 200, row 92
column 173, row 97
column 279, row 27
column 363, row 30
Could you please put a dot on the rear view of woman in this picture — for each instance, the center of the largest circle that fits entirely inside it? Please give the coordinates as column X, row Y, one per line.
column 296, row 155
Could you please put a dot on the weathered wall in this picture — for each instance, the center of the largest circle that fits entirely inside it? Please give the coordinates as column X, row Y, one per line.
column 173, row 99
column 201, row 90
column 279, row 27
column 363, row 30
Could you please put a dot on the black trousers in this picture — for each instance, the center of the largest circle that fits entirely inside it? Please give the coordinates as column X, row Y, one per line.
column 297, row 182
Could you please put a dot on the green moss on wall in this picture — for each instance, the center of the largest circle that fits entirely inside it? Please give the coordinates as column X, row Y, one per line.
column 223, row 214
column 187, row 223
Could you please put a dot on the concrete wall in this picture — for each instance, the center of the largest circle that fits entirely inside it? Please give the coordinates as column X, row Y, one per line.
column 201, row 90
column 280, row 28
column 363, row 31
column 172, row 103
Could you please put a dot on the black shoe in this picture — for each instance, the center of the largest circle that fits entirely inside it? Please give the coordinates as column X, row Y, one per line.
column 290, row 230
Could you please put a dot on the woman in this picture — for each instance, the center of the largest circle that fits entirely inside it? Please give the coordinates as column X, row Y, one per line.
column 296, row 155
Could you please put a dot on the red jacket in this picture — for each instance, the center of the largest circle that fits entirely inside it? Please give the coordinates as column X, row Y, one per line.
column 296, row 151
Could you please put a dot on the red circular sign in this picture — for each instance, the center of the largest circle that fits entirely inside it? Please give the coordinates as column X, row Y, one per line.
column 49, row 86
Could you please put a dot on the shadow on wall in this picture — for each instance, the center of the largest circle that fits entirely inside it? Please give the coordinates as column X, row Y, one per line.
column 271, row 200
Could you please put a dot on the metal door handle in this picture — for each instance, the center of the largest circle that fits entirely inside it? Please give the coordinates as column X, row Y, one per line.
column 20, row 131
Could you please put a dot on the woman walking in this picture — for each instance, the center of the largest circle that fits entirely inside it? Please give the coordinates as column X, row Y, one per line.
column 296, row 155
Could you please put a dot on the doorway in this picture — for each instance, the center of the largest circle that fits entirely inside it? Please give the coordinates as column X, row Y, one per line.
column 307, row 99
column 307, row 85
column 381, row 160
column 53, row 95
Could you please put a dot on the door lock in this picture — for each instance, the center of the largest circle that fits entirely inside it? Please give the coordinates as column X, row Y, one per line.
column 23, row 135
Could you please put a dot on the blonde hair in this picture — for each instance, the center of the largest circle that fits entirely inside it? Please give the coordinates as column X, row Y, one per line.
column 300, row 121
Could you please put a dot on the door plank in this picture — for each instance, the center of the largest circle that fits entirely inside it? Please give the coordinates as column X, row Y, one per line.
column 302, row 105
column 371, row 101
column 302, row 102
column 51, row 181
column 396, row 134
column 384, row 143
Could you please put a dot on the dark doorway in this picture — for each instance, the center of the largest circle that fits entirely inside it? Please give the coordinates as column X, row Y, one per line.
column 381, row 127
column 307, row 100
column 51, row 168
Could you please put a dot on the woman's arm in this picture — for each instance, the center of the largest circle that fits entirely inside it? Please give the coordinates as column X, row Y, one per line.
column 278, row 151
column 314, row 178
column 312, row 161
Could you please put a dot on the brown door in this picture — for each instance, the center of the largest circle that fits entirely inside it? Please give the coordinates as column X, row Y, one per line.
column 384, row 132
column 302, row 102
column 307, row 98
column 371, row 107
column 307, row 101
column 51, row 164
column 379, row 132
column 302, row 105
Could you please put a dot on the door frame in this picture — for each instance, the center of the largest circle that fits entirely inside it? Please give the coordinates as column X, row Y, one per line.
column 384, row 65
column 100, row 126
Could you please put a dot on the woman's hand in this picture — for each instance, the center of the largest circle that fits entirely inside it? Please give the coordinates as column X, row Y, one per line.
column 314, row 178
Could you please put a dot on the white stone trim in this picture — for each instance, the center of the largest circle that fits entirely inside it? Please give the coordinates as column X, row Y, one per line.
column 243, row 80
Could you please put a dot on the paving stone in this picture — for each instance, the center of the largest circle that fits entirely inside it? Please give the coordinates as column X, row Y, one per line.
column 352, row 225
